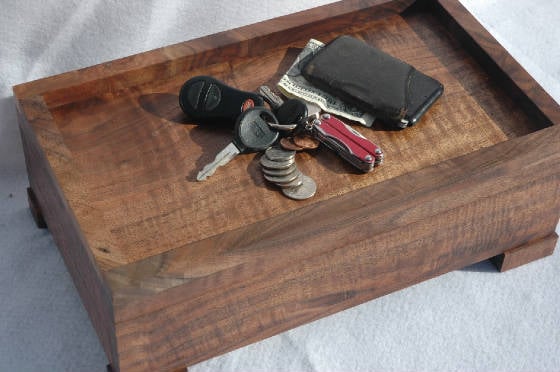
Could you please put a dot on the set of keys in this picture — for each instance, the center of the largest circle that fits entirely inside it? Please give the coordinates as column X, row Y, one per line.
column 257, row 128
column 330, row 131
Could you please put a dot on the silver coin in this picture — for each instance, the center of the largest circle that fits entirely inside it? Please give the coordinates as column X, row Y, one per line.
column 279, row 172
column 295, row 183
column 305, row 191
column 279, row 154
column 285, row 179
column 271, row 164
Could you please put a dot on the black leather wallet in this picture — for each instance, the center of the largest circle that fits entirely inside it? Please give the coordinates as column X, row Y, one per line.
column 373, row 81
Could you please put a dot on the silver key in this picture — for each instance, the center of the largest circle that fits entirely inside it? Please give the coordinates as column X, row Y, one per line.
column 223, row 157
column 273, row 99
column 252, row 134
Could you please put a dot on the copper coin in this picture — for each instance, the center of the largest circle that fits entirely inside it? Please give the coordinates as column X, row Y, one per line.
column 288, row 144
column 306, row 142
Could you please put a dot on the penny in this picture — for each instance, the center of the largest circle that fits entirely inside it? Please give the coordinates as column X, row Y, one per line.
column 305, row 191
column 279, row 154
column 288, row 144
column 271, row 164
column 306, row 142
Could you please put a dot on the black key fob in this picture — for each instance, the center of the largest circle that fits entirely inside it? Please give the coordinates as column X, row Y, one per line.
column 292, row 111
column 206, row 99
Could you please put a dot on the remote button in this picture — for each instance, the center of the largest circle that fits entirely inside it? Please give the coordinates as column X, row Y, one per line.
column 213, row 97
column 193, row 94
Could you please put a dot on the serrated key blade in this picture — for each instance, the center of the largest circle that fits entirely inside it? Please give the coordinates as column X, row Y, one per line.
column 223, row 157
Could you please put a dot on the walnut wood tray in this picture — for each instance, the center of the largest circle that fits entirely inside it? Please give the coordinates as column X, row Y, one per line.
column 174, row 271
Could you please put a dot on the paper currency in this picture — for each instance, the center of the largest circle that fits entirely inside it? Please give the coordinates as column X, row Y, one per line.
column 294, row 85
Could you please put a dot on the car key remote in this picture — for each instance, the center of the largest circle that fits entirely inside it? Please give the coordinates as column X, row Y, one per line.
column 206, row 99
column 252, row 134
column 290, row 111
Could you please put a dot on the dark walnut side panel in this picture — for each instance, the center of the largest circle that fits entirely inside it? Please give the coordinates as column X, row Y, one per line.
column 63, row 226
column 382, row 239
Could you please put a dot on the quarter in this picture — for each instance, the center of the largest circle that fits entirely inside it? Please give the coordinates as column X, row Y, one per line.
column 279, row 154
column 305, row 191
column 298, row 181
column 279, row 172
column 271, row 164
column 283, row 179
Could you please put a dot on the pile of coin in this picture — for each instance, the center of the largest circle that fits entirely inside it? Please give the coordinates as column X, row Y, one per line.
column 279, row 167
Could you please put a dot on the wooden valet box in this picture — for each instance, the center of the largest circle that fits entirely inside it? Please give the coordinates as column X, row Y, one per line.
column 173, row 271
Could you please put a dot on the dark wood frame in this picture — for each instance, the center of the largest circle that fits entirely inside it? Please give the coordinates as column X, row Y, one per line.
column 512, row 188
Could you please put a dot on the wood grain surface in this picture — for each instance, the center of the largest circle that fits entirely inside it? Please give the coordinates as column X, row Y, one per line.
column 175, row 271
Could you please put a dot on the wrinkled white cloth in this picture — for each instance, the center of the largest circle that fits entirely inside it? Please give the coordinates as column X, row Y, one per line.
column 471, row 319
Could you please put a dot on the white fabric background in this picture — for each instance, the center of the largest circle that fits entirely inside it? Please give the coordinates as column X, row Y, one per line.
column 472, row 319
